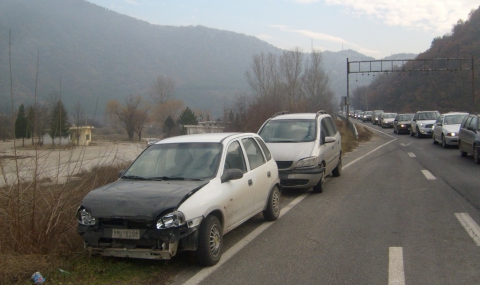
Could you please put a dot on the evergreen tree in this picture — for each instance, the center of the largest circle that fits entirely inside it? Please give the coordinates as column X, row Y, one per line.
column 21, row 125
column 187, row 118
column 59, row 126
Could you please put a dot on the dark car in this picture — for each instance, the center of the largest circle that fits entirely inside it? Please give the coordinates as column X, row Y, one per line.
column 367, row 116
column 469, row 137
column 401, row 123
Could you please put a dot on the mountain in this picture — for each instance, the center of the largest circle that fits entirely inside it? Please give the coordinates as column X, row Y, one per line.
column 449, row 84
column 90, row 54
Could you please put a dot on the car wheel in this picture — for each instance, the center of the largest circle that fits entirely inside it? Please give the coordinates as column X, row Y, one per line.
column 444, row 142
column 417, row 134
column 434, row 140
column 210, row 241
column 272, row 212
column 476, row 155
column 321, row 184
column 462, row 153
column 337, row 171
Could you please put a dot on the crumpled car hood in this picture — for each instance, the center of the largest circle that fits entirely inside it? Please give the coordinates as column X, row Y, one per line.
column 138, row 199
column 290, row 151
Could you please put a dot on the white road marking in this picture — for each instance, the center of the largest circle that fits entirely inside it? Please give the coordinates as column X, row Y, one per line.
column 352, row 162
column 202, row 274
column 470, row 226
column 396, row 273
column 411, row 154
column 428, row 175
column 402, row 144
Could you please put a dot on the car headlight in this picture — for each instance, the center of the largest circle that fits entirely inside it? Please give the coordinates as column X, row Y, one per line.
column 85, row 218
column 307, row 162
column 451, row 134
column 170, row 220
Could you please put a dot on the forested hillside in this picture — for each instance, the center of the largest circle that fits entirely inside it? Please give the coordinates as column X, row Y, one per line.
column 440, row 90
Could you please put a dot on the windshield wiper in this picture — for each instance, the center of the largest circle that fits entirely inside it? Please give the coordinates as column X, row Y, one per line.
column 134, row 177
column 160, row 178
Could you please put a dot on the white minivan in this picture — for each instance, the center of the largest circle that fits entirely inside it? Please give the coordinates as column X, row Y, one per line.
column 306, row 146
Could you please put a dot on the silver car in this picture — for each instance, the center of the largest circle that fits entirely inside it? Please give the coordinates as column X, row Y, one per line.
column 386, row 120
column 422, row 123
column 469, row 138
column 306, row 147
column 447, row 127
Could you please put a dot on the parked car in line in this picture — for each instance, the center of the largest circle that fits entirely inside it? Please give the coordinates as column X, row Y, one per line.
column 367, row 116
column 447, row 127
column 356, row 114
column 386, row 120
column 306, row 146
column 359, row 115
column 401, row 123
column 182, row 194
column 422, row 123
column 376, row 116
column 469, row 137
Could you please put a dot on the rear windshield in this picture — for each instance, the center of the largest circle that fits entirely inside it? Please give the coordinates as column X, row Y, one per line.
column 292, row 130
column 454, row 119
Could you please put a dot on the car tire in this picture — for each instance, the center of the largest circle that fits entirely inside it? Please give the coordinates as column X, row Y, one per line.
column 272, row 212
column 444, row 142
column 462, row 153
column 417, row 134
column 337, row 171
column 476, row 155
column 321, row 184
column 434, row 140
column 210, row 241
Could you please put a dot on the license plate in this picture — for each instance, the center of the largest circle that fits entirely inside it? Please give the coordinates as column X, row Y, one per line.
column 125, row 234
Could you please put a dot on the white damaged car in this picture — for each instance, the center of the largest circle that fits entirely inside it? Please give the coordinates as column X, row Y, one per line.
column 182, row 194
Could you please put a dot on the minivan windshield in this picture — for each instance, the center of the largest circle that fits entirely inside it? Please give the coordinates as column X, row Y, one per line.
column 291, row 130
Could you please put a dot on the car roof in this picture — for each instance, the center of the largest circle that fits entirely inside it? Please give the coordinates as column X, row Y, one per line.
column 207, row 137
column 455, row 113
column 299, row 116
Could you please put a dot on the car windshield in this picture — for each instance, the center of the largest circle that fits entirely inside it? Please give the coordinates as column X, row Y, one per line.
column 176, row 161
column 405, row 117
column 389, row 115
column 454, row 119
column 292, row 130
column 428, row 116
column 368, row 112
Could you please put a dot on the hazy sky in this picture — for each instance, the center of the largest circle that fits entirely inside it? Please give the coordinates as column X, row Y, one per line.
column 376, row 28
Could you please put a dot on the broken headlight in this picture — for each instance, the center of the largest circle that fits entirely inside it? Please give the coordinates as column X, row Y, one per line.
column 85, row 218
column 170, row 220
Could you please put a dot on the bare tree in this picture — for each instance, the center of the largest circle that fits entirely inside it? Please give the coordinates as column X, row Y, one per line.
column 78, row 118
column 133, row 115
column 163, row 89
column 291, row 63
column 316, row 92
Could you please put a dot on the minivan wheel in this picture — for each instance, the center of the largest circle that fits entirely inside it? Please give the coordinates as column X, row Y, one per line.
column 476, row 155
column 444, row 142
column 272, row 212
column 210, row 241
column 320, row 185
column 338, row 170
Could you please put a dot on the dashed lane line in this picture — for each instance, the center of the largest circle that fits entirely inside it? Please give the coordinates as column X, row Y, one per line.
column 396, row 273
column 411, row 154
column 470, row 226
column 428, row 175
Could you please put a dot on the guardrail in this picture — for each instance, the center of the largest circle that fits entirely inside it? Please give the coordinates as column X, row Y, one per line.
column 351, row 125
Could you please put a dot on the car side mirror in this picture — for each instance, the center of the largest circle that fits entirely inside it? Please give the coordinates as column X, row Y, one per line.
column 231, row 174
column 330, row 139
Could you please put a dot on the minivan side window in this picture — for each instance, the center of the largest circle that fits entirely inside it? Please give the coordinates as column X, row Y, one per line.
column 473, row 123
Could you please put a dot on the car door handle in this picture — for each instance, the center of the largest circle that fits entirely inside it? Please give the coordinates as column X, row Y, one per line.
column 250, row 182
column 269, row 174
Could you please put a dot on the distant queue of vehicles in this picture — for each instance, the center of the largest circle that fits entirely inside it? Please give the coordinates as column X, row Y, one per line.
column 449, row 129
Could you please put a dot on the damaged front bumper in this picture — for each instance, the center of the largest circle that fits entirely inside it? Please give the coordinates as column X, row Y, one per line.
column 145, row 244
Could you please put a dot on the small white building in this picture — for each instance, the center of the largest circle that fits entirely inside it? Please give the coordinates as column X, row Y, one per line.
column 205, row 127
column 81, row 135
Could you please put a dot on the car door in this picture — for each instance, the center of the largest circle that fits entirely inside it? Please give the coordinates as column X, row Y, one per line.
column 469, row 138
column 329, row 148
column 239, row 191
column 261, row 173
column 437, row 128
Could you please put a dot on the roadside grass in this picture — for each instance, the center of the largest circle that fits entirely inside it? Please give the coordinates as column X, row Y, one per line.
column 39, row 231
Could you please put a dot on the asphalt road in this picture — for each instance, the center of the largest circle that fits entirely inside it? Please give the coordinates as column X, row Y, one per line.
column 404, row 211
